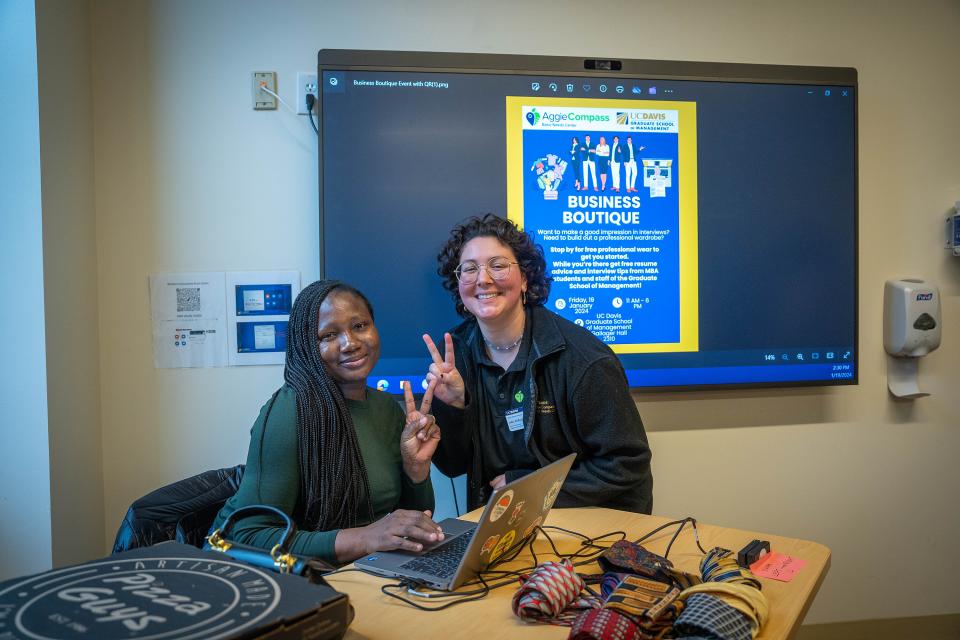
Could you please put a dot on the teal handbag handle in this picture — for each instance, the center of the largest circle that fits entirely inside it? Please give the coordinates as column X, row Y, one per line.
column 278, row 559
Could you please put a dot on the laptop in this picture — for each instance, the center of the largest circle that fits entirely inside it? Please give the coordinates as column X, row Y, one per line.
column 512, row 514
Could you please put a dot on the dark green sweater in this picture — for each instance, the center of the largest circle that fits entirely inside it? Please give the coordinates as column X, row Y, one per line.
column 272, row 475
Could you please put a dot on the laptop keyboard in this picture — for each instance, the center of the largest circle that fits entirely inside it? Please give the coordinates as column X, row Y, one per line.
column 443, row 561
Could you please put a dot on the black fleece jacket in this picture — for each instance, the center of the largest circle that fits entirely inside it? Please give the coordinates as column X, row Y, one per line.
column 578, row 402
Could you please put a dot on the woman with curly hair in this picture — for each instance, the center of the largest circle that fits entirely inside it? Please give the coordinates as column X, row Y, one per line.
column 339, row 457
column 519, row 387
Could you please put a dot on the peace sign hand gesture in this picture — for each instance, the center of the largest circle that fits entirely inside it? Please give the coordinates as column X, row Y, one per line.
column 420, row 435
column 443, row 371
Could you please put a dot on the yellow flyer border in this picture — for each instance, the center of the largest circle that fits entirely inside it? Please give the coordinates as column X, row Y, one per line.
column 688, row 244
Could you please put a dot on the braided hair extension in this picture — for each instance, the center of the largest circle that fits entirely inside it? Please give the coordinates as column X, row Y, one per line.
column 333, row 479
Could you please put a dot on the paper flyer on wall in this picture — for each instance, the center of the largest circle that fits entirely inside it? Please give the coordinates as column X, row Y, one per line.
column 608, row 189
column 189, row 320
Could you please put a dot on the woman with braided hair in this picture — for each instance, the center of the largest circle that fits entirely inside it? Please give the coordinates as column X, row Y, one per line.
column 339, row 457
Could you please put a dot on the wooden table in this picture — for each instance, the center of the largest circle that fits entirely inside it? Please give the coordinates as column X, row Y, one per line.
column 379, row 616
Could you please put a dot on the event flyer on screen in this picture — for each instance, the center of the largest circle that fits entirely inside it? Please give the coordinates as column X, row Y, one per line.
column 608, row 189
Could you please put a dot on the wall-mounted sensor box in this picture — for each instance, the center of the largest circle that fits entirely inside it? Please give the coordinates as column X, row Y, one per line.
column 953, row 231
column 911, row 317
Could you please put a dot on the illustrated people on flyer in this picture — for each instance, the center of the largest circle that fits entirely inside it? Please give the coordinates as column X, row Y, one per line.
column 587, row 156
column 616, row 159
column 576, row 162
column 518, row 386
column 630, row 156
column 603, row 162
column 342, row 459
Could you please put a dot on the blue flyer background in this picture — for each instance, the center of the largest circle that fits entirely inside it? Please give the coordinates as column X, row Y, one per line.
column 655, row 306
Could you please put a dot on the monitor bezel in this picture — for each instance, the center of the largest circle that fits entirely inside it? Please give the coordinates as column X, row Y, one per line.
column 528, row 65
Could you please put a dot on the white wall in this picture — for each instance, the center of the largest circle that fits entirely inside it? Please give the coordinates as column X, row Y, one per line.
column 188, row 177
column 24, row 464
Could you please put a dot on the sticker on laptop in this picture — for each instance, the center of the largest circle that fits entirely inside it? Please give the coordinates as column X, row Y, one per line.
column 532, row 527
column 504, row 544
column 518, row 510
column 502, row 505
column 490, row 544
column 552, row 494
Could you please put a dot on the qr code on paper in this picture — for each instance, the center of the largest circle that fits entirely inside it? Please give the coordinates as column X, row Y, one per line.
column 188, row 299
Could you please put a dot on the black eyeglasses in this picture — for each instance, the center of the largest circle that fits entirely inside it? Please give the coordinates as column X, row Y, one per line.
column 497, row 268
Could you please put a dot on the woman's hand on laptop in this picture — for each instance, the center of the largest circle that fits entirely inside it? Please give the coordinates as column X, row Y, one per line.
column 401, row 529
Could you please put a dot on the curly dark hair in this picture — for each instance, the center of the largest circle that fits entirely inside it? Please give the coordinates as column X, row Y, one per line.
column 529, row 256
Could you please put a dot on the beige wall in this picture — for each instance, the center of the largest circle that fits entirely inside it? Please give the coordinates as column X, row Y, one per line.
column 70, row 275
column 188, row 177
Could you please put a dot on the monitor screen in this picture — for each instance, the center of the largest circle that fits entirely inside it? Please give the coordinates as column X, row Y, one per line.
column 699, row 218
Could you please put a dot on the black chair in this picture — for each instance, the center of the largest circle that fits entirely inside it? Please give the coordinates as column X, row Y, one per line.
column 182, row 511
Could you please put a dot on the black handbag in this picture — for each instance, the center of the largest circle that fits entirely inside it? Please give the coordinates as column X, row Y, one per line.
column 279, row 558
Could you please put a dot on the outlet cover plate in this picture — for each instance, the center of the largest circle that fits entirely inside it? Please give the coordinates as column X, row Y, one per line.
column 306, row 83
column 261, row 99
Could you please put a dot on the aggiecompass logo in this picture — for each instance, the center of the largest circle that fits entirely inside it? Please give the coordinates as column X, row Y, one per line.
column 533, row 117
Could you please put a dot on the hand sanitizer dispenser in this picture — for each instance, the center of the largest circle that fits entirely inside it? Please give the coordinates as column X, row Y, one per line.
column 911, row 329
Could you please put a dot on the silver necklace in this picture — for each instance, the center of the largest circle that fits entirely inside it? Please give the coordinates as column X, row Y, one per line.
column 508, row 347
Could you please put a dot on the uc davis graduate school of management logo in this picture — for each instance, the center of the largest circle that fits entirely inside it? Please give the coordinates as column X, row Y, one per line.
column 146, row 599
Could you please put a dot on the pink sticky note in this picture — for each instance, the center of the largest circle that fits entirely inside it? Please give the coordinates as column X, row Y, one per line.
column 777, row 566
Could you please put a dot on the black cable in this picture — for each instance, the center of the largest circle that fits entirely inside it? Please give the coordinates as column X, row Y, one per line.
column 311, row 100
column 681, row 522
column 460, row 597
column 676, row 534
column 589, row 552
column 587, row 541
column 453, row 489
column 505, row 578
column 341, row 570
column 515, row 573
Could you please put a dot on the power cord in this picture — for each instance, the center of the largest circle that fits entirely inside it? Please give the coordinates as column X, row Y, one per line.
column 453, row 490
column 682, row 522
column 501, row 577
column 312, row 100
column 591, row 549
column 341, row 570
column 461, row 597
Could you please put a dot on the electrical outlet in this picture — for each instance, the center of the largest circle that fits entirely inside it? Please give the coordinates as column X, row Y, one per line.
column 306, row 83
column 261, row 99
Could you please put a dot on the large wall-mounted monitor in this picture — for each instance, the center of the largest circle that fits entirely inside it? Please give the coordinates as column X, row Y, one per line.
column 721, row 250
